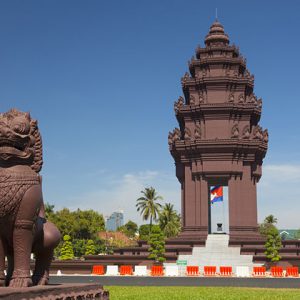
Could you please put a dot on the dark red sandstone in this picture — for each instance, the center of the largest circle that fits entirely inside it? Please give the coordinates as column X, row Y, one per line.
column 56, row 292
column 219, row 140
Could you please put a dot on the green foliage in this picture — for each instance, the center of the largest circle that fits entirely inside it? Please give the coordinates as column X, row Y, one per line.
column 99, row 245
column 90, row 248
column 157, row 245
column 129, row 229
column 49, row 210
column 273, row 239
column 79, row 224
column 67, row 249
column 144, row 231
column 148, row 205
column 297, row 235
column 79, row 246
column 169, row 221
column 273, row 245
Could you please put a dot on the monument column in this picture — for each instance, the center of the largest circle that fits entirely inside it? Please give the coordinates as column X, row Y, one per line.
column 194, row 210
column 242, row 206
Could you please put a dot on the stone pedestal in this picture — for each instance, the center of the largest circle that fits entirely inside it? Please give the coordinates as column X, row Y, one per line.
column 56, row 292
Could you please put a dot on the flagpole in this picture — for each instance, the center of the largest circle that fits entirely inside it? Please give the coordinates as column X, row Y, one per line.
column 223, row 211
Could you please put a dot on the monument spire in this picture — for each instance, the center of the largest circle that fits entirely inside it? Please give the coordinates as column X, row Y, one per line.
column 219, row 140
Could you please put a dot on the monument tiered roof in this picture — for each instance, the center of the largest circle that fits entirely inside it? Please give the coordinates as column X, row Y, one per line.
column 216, row 35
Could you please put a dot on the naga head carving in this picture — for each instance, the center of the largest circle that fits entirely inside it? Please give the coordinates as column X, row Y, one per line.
column 20, row 140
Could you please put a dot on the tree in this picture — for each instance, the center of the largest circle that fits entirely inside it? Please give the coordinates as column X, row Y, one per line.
column 79, row 246
column 297, row 235
column 80, row 224
column 49, row 210
column 169, row 221
column 273, row 239
column 270, row 219
column 144, row 231
column 67, row 249
column 148, row 205
column 268, row 223
column 157, row 245
column 90, row 248
column 130, row 229
column 273, row 245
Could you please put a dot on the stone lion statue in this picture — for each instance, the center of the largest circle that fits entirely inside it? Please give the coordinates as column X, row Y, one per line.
column 23, row 227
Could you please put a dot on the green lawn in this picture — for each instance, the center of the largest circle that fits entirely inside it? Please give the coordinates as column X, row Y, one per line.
column 191, row 293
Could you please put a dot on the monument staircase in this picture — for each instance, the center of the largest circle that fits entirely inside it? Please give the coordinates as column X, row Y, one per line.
column 217, row 253
column 217, row 250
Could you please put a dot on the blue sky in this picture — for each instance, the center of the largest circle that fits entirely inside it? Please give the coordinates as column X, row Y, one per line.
column 101, row 77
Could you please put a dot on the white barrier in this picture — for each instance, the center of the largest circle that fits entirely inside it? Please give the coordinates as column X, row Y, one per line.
column 112, row 270
column 172, row 271
column 242, row 271
column 140, row 271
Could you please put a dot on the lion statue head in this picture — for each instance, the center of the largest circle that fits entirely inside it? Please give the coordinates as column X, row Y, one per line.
column 20, row 140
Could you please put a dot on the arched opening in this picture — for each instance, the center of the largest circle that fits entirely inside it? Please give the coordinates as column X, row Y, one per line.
column 218, row 207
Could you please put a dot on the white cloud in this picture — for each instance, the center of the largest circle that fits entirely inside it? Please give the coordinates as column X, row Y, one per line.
column 279, row 194
column 121, row 193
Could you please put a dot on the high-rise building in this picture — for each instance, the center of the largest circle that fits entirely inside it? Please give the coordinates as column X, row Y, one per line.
column 114, row 221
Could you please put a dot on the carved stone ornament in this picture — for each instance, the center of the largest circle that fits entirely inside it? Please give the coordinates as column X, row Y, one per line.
column 192, row 100
column 176, row 135
column 187, row 134
column 201, row 98
column 231, row 98
column 197, row 132
column 246, row 132
column 252, row 98
column 241, row 98
column 259, row 103
column 247, row 74
column 170, row 138
column 22, row 217
column 266, row 136
column 257, row 133
column 235, row 131
column 178, row 104
column 185, row 77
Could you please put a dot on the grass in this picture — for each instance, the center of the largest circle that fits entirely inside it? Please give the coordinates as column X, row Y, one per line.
column 199, row 293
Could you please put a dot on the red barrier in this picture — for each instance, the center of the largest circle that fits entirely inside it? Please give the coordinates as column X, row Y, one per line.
column 157, row 271
column 292, row 272
column 126, row 270
column 226, row 271
column 192, row 270
column 259, row 271
column 277, row 271
column 98, row 270
column 210, row 270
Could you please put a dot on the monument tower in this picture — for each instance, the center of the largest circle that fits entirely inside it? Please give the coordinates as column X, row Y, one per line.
column 219, row 140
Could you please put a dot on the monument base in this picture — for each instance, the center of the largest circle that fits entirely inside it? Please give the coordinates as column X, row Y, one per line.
column 53, row 292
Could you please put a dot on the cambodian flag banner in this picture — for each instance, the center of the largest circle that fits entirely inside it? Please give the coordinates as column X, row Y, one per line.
column 216, row 194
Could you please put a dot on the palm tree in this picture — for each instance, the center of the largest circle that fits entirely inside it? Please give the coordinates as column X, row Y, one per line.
column 169, row 221
column 148, row 205
column 270, row 220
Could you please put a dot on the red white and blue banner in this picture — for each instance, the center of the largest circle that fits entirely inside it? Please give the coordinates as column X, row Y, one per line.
column 216, row 194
